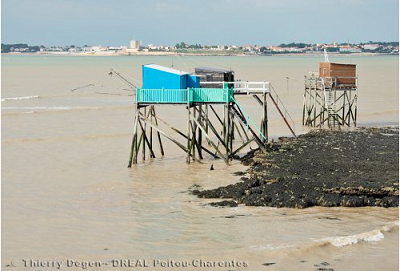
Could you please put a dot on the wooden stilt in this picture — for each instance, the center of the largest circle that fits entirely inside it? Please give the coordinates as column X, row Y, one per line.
column 158, row 133
column 206, row 115
column 199, row 136
column 144, row 135
column 194, row 129
column 188, row 135
column 134, row 139
column 151, row 132
column 231, row 132
column 265, row 118
column 146, row 140
column 226, row 128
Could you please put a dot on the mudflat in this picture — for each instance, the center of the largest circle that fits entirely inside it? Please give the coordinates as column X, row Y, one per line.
column 321, row 168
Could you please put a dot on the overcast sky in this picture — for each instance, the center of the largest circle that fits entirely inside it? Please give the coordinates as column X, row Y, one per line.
column 167, row 22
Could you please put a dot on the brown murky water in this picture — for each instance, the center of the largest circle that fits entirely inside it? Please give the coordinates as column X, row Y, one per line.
column 68, row 197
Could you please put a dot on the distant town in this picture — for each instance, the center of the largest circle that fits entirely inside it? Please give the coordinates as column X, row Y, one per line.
column 137, row 48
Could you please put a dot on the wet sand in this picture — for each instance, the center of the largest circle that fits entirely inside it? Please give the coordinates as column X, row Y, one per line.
column 321, row 168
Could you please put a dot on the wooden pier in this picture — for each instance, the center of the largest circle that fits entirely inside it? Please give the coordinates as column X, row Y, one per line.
column 203, row 102
column 202, row 105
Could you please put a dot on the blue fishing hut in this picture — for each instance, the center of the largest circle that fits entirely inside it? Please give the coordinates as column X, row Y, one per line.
column 160, row 77
column 163, row 85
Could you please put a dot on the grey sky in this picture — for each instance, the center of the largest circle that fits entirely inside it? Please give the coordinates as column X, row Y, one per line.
column 262, row 22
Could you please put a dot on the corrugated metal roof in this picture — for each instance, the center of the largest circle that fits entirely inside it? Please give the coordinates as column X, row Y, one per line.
column 212, row 69
column 342, row 64
column 165, row 69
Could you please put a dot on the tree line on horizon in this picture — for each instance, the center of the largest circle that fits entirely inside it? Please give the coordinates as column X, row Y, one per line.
column 23, row 47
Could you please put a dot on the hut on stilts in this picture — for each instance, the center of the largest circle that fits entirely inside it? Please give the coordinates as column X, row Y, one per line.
column 330, row 99
column 202, row 99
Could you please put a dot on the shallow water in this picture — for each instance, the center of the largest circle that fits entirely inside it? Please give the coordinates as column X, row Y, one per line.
column 67, row 193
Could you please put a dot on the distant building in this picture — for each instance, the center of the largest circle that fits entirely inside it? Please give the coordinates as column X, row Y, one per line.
column 97, row 49
column 371, row 46
column 134, row 44
column 133, row 47
column 349, row 49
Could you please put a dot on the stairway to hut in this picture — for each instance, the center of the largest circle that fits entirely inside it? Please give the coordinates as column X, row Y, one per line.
column 246, row 121
column 282, row 110
column 331, row 108
column 329, row 102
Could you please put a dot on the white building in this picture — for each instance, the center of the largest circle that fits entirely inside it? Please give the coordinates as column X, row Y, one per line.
column 371, row 46
column 349, row 49
column 134, row 44
column 97, row 49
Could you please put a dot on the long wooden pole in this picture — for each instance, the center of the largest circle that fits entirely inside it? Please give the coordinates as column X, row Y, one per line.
column 151, row 132
column 134, row 139
column 158, row 134
column 188, row 135
column 144, row 135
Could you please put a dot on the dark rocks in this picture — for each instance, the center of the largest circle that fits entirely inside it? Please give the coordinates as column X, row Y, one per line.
column 225, row 203
column 321, row 168
column 239, row 173
column 268, row 264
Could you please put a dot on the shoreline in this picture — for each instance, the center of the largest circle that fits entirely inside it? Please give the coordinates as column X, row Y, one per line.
column 320, row 168
column 193, row 54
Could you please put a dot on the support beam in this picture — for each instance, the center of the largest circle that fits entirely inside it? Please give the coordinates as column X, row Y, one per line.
column 158, row 133
column 210, row 141
column 146, row 140
column 182, row 134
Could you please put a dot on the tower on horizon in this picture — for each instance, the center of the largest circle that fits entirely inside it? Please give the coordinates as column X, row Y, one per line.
column 134, row 44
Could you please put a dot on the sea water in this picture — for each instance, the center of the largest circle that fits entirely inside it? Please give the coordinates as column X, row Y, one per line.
column 68, row 196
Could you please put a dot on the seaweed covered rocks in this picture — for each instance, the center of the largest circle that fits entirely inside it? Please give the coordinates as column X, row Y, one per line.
column 321, row 168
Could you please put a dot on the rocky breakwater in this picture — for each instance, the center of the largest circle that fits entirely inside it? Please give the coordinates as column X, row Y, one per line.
column 321, row 168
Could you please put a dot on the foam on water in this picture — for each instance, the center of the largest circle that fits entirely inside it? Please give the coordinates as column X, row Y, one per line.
column 370, row 236
column 272, row 247
column 375, row 235
column 20, row 98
